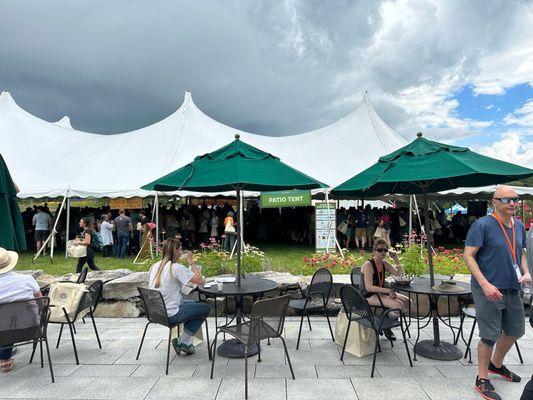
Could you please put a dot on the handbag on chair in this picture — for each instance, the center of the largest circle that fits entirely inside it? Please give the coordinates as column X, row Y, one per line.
column 361, row 340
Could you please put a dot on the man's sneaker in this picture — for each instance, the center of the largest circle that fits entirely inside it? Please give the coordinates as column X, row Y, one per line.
column 504, row 373
column 485, row 389
column 176, row 345
column 187, row 348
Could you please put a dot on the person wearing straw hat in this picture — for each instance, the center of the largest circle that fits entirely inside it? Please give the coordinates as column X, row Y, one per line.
column 13, row 287
column 494, row 254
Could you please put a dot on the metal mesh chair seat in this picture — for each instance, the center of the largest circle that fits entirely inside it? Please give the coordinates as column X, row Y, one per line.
column 356, row 277
column 87, row 306
column 266, row 321
column 244, row 332
column 358, row 311
column 316, row 297
column 25, row 322
column 156, row 313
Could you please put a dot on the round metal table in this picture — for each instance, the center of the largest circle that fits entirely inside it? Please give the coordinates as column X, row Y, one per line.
column 435, row 349
column 249, row 287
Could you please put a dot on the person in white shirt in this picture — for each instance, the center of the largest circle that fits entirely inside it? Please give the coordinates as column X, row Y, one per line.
column 42, row 223
column 13, row 287
column 169, row 277
column 106, row 231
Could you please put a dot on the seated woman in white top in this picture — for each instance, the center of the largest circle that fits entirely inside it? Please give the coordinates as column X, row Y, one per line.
column 13, row 287
column 169, row 277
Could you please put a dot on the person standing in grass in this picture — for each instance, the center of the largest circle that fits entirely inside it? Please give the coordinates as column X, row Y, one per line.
column 86, row 239
column 494, row 253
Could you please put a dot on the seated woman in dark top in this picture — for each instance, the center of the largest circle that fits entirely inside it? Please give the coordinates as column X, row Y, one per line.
column 374, row 277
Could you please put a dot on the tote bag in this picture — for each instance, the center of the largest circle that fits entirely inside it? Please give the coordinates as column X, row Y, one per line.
column 378, row 232
column 65, row 295
column 343, row 227
column 76, row 251
column 361, row 340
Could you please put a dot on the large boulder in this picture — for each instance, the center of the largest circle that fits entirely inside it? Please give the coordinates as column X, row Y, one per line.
column 33, row 272
column 118, row 309
column 125, row 288
column 106, row 275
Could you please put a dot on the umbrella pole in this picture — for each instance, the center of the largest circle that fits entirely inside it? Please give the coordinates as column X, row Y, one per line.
column 410, row 218
column 429, row 236
column 238, row 233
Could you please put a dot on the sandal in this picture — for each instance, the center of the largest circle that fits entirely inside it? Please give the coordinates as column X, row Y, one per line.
column 7, row 365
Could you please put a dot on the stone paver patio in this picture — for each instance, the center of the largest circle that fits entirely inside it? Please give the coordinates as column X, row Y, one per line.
column 113, row 373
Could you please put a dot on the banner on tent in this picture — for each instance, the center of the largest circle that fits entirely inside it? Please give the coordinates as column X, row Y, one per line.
column 287, row 198
column 325, row 223
column 123, row 203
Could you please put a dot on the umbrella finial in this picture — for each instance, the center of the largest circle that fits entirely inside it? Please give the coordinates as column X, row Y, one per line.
column 237, row 136
column 419, row 134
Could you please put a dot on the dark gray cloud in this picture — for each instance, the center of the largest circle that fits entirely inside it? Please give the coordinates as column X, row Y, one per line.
column 270, row 67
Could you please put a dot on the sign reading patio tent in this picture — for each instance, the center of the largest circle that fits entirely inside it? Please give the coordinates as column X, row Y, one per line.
column 124, row 203
column 325, row 223
column 287, row 198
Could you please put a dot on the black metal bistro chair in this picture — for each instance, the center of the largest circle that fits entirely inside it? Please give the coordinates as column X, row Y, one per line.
column 470, row 312
column 358, row 310
column 316, row 297
column 86, row 307
column 156, row 313
column 26, row 322
column 266, row 322
column 355, row 277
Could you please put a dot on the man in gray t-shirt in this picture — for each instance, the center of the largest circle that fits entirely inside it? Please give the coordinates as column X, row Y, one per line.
column 42, row 223
column 124, row 232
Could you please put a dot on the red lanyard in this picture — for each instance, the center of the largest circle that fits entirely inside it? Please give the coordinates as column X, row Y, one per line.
column 512, row 246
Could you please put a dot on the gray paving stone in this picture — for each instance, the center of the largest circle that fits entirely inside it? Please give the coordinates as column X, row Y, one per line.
column 33, row 370
column 234, row 370
column 384, row 388
column 463, row 389
column 258, row 389
column 106, row 371
column 386, row 357
column 344, row 371
column 283, row 371
column 42, row 388
column 320, row 389
column 415, row 372
column 155, row 371
column 10, row 384
column 193, row 388
column 118, row 388
column 315, row 357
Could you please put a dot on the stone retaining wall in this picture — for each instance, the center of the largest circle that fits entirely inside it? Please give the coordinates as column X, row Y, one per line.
column 121, row 297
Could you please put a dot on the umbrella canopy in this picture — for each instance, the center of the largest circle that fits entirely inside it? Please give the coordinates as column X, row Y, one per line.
column 12, row 235
column 425, row 165
column 235, row 166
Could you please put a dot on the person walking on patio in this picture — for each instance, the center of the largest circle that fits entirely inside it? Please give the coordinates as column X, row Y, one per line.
column 169, row 277
column 494, row 254
column 13, row 287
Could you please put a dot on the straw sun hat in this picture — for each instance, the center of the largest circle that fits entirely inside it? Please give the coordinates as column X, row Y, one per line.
column 8, row 260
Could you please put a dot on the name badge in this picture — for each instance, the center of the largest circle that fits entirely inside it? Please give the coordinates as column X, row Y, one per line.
column 517, row 271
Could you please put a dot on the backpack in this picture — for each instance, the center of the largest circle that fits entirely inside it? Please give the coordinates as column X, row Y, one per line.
column 96, row 241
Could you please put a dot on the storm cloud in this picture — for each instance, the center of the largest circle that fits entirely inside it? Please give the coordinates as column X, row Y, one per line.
column 271, row 67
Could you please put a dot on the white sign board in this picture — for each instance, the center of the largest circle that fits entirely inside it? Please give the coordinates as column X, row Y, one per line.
column 325, row 223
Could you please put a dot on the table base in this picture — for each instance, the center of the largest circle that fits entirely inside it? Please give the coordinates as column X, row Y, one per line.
column 444, row 351
column 234, row 349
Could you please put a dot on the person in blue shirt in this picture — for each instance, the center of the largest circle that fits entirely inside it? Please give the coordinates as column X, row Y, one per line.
column 494, row 253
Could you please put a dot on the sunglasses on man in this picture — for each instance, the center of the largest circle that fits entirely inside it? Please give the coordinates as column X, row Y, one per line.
column 507, row 200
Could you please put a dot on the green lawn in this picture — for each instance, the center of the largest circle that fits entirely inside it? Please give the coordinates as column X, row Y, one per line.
column 281, row 258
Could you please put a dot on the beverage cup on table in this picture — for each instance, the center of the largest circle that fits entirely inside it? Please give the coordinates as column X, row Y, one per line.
column 220, row 286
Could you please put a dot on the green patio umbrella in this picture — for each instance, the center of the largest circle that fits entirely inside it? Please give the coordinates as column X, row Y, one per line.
column 12, row 236
column 421, row 167
column 424, row 166
column 236, row 166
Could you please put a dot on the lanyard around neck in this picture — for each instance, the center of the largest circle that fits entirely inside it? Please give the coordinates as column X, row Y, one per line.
column 512, row 246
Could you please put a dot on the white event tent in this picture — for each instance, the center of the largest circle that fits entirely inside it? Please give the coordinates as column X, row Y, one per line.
column 53, row 159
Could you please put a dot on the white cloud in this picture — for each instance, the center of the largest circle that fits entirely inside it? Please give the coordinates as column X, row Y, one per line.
column 522, row 116
column 513, row 146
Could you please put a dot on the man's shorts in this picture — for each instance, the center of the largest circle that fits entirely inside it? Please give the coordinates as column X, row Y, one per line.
column 360, row 233
column 370, row 230
column 495, row 317
column 41, row 236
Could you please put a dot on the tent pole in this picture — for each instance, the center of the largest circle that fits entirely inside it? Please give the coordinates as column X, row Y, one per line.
column 52, row 233
column 238, row 233
column 410, row 218
column 156, row 208
column 67, row 228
